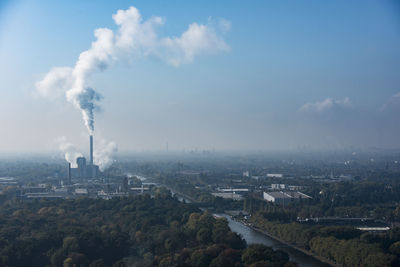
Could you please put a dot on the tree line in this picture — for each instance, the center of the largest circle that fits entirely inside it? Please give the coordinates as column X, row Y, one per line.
column 130, row 231
column 343, row 245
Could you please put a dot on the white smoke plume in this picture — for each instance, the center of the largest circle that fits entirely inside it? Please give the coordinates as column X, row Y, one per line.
column 55, row 83
column 103, row 153
column 69, row 150
column 133, row 37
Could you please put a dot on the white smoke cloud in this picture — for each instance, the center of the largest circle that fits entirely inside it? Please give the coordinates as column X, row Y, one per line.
column 103, row 153
column 133, row 37
column 69, row 150
column 327, row 104
column 197, row 39
column 224, row 25
column 56, row 82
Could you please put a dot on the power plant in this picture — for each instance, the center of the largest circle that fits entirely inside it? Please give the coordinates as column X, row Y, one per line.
column 83, row 169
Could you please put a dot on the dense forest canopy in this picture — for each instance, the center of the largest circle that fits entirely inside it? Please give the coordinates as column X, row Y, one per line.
column 132, row 231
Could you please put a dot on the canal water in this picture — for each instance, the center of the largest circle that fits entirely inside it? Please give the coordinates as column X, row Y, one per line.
column 254, row 237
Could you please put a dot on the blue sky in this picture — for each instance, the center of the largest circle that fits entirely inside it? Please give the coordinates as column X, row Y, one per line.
column 315, row 74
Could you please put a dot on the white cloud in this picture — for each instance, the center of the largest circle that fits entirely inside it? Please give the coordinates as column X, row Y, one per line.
column 392, row 103
column 327, row 104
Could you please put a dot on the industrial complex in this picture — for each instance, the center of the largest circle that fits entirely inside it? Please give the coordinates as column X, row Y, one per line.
column 84, row 169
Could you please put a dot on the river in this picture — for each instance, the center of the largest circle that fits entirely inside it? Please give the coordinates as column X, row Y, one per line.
column 253, row 237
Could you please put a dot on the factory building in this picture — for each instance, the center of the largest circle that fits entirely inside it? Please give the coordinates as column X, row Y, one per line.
column 84, row 169
column 274, row 175
column 283, row 197
column 278, row 186
column 232, row 195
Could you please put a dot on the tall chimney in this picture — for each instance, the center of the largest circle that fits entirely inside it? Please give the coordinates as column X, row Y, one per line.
column 91, row 149
column 69, row 173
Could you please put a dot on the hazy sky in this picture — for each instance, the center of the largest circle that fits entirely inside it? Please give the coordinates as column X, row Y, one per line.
column 322, row 74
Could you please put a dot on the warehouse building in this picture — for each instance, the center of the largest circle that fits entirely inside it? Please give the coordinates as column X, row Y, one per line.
column 284, row 197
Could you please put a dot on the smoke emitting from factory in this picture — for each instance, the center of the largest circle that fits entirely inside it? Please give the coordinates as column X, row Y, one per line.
column 133, row 38
column 100, row 154
column 69, row 150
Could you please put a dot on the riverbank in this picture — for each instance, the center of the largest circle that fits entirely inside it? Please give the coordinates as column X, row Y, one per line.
column 307, row 252
column 257, row 237
column 323, row 262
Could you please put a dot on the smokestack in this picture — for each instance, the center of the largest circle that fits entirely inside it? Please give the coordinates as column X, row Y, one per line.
column 69, row 173
column 91, row 149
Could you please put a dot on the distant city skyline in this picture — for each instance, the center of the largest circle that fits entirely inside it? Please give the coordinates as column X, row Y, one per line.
column 270, row 75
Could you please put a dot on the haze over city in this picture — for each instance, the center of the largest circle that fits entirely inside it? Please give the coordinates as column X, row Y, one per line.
column 226, row 76
column 199, row 133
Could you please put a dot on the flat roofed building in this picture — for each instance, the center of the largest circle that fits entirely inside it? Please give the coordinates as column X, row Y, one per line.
column 81, row 191
column 234, row 189
column 283, row 197
column 278, row 186
column 228, row 195
column 276, row 175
